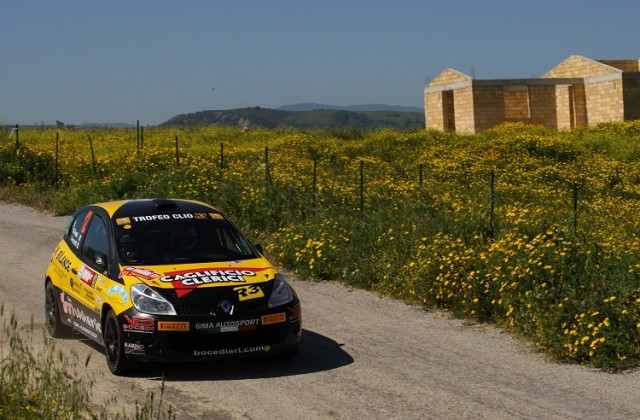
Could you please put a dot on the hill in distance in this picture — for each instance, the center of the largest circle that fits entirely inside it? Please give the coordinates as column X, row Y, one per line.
column 312, row 106
column 257, row 117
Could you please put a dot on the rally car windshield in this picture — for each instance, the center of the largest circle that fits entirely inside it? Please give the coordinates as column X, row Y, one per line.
column 180, row 241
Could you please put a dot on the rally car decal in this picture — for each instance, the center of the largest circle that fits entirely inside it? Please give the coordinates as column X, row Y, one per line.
column 232, row 351
column 87, row 276
column 79, row 317
column 139, row 273
column 185, row 281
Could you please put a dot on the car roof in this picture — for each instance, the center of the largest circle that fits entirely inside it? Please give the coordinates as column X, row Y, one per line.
column 138, row 207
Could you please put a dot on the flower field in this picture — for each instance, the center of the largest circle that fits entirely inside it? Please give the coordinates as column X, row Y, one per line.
column 534, row 230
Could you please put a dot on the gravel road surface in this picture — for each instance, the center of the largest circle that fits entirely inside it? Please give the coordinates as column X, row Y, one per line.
column 363, row 357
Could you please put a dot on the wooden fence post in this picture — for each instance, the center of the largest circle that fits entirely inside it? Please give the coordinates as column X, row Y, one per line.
column 492, row 214
column 17, row 138
column 267, row 171
column 361, row 186
column 221, row 156
column 137, row 136
column 314, row 186
column 575, row 208
column 93, row 157
column 177, row 152
column 57, row 160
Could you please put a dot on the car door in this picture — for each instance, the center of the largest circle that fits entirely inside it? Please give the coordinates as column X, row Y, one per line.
column 74, row 240
column 95, row 258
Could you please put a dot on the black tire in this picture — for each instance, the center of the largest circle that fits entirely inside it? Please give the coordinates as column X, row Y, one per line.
column 113, row 346
column 55, row 327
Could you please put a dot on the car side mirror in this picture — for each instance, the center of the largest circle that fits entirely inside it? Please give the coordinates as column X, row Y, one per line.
column 259, row 248
column 101, row 261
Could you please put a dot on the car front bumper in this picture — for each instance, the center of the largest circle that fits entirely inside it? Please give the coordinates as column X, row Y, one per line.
column 191, row 338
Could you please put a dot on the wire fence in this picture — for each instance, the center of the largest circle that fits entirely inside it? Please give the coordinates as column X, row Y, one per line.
column 271, row 190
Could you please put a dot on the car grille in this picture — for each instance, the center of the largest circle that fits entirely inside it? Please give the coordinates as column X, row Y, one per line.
column 205, row 301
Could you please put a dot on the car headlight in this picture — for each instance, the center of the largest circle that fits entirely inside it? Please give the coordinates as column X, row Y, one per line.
column 147, row 300
column 282, row 293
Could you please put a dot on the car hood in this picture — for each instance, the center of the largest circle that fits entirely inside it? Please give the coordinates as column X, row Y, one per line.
column 185, row 278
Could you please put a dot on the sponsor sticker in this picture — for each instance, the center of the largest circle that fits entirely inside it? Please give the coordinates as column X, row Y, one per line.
column 139, row 273
column 186, row 280
column 274, row 318
column 138, row 324
column 216, row 216
column 200, row 216
column 123, row 221
column 79, row 318
column 120, row 292
column 87, row 276
column 232, row 351
column 228, row 326
column 133, row 348
column 85, row 222
column 173, row 326
column 63, row 260
column 161, row 217
column 248, row 292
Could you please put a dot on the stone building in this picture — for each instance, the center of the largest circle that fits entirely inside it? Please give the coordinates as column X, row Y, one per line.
column 578, row 92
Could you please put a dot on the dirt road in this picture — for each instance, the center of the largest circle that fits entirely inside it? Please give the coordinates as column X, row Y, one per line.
column 363, row 357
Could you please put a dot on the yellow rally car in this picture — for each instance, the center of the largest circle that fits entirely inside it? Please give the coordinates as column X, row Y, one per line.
column 167, row 280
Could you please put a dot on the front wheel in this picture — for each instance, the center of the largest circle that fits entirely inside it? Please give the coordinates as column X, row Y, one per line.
column 55, row 327
column 113, row 346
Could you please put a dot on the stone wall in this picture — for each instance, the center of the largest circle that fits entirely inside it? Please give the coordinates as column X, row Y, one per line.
column 433, row 112
column 578, row 66
column 488, row 106
column 464, row 112
column 449, row 79
column 543, row 105
column 564, row 107
column 604, row 102
column 448, row 76
column 627, row 66
column 516, row 103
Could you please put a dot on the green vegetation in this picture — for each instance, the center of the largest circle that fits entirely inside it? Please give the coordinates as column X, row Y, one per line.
column 38, row 380
column 325, row 118
column 568, row 280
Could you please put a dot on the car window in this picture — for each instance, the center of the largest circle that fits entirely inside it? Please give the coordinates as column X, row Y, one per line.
column 97, row 240
column 151, row 240
column 78, row 228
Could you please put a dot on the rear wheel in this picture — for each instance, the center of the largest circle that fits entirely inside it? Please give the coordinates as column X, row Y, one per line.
column 113, row 346
column 55, row 327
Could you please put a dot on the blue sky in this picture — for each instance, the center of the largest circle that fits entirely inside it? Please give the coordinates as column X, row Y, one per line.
column 80, row 61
